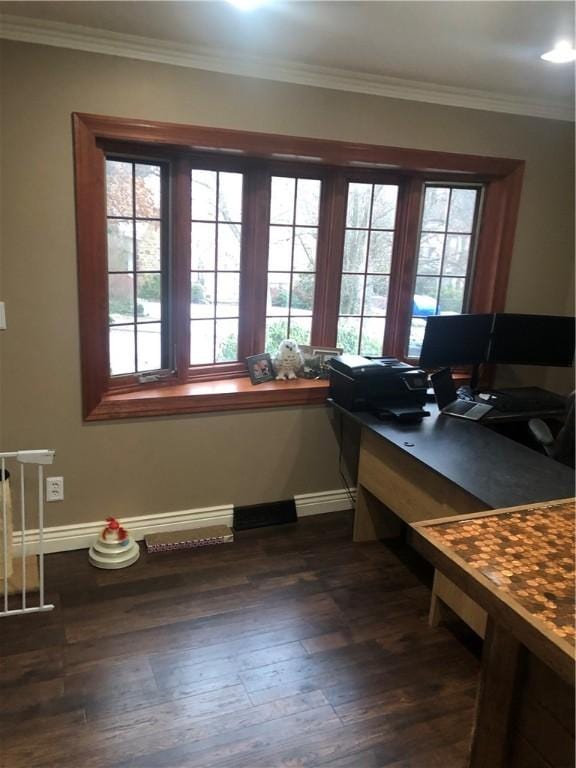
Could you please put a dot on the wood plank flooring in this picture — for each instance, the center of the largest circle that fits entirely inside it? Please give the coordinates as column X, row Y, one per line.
column 292, row 647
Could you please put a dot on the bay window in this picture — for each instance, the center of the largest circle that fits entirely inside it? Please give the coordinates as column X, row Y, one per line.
column 198, row 247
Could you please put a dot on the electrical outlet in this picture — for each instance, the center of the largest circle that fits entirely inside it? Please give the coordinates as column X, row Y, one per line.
column 54, row 489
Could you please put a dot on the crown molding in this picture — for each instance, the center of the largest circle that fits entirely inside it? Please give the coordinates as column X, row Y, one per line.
column 61, row 35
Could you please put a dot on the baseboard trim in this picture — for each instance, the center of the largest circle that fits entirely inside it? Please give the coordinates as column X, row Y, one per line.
column 327, row 501
column 64, row 538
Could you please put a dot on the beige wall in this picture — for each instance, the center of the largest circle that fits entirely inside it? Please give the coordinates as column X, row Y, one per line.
column 156, row 465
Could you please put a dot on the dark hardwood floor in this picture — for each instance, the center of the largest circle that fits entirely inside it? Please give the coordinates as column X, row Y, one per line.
column 291, row 647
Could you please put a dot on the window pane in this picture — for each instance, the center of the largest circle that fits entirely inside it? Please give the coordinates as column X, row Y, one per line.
column 358, row 209
column 308, row 201
column 230, row 197
column 355, row 243
column 351, row 293
column 149, row 297
column 201, row 342
column 349, row 334
column 292, row 257
column 280, row 249
column 376, row 299
column 202, row 294
column 228, row 294
column 216, row 261
column 430, row 256
column 372, row 336
column 282, row 200
column 203, row 246
column 120, row 245
column 435, row 209
column 302, row 302
column 462, row 206
column 135, row 262
column 278, row 293
column 276, row 332
column 226, row 341
column 149, row 347
column 372, row 206
column 426, row 287
column 417, row 329
column 147, row 187
column 384, row 206
column 300, row 329
column 204, row 195
column 456, row 256
column 120, row 299
column 119, row 201
column 122, row 350
column 148, row 245
column 305, row 244
column 444, row 257
column 229, row 237
column 380, row 252
column 451, row 295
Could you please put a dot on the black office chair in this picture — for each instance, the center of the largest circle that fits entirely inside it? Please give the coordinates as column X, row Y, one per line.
column 561, row 447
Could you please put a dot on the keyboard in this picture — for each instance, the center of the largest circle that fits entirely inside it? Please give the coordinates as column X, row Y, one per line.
column 461, row 406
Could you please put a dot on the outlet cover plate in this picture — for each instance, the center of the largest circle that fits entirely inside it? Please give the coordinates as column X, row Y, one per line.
column 54, row 489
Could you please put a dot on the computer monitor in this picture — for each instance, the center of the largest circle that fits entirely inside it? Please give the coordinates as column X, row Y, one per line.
column 455, row 340
column 532, row 340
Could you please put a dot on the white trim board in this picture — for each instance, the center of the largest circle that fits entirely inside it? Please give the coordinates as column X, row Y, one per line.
column 63, row 35
column 63, row 538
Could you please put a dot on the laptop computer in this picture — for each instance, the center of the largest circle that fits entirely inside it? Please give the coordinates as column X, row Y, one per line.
column 448, row 402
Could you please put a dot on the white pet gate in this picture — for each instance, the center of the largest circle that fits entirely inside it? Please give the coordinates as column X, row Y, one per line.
column 18, row 575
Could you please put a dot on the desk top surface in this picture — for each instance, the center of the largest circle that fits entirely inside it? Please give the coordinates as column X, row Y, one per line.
column 524, row 560
column 493, row 468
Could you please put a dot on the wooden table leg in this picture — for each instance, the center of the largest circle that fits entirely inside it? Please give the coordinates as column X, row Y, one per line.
column 497, row 701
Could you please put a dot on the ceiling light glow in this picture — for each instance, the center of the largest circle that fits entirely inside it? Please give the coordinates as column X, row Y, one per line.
column 246, row 5
column 562, row 53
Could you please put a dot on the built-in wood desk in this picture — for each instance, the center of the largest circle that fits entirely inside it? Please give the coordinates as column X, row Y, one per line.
column 439, row 467
column 518, row 565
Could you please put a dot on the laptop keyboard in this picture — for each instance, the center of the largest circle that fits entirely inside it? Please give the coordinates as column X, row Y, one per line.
column 461, row 406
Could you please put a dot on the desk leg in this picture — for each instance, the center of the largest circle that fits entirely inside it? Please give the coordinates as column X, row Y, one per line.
column 497, row 699
column 372, row 519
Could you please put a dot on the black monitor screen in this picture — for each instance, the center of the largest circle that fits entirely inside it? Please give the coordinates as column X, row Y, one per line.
column 532, row 340
column 455, row 340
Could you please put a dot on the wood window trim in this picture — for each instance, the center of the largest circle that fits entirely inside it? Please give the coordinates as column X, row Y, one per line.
column 174, row 395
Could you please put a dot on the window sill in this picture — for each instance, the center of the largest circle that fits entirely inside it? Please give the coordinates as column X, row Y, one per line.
column 209, row 396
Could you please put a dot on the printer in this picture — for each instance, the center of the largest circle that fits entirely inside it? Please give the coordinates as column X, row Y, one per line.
column 383, row 384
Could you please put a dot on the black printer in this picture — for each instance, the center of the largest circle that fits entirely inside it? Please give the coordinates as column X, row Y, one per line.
column 383, row 384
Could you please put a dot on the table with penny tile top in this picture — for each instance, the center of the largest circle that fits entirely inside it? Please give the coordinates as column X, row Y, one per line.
column 518, row 565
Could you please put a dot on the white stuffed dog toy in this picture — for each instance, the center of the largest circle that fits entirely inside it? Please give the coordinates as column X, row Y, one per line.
column 288, row 360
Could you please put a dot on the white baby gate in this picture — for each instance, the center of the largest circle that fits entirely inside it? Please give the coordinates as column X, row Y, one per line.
column 30, row 542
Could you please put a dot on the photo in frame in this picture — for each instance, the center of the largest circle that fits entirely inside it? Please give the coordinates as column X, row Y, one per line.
column 324, row 355
column 317, row 361
column 260, row 368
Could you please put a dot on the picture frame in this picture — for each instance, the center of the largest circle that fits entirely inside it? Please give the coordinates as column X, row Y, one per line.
column 306, row 350
column 317, row 365
column 260, row 368
column 325, row 353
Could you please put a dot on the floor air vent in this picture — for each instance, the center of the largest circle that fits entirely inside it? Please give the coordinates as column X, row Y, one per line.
column 260, row 515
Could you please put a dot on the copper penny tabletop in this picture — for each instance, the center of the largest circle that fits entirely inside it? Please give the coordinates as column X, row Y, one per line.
column 523, row 556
